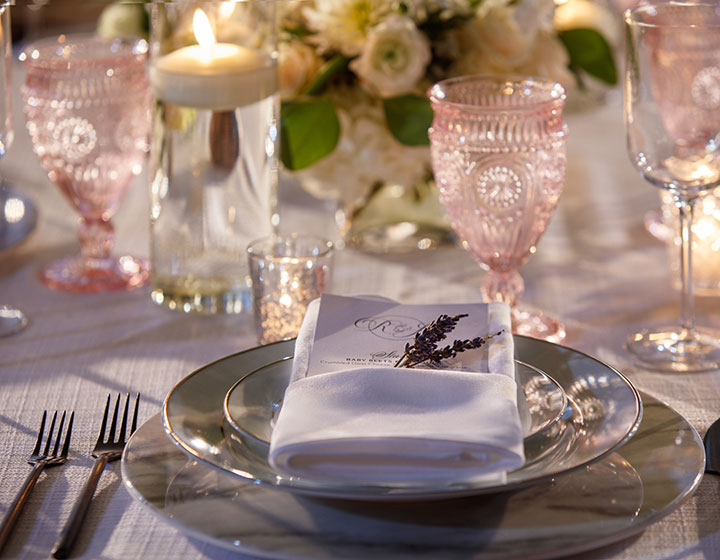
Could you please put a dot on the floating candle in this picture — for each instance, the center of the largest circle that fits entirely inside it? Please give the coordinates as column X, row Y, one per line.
column 211, row 75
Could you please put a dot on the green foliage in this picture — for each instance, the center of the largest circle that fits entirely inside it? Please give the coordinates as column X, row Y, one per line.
column 590, row 52
column 338, row 64
column 408, row 118
column 309, row 131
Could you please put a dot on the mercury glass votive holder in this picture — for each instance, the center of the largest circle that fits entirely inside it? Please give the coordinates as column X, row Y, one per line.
column 213, row 156
column 287, row 272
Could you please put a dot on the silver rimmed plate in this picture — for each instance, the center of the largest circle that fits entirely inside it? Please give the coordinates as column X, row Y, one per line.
column 609, row 500
column 253, row 403
column 603, row 411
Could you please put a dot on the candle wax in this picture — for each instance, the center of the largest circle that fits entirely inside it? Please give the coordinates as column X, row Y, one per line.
column 221, row 77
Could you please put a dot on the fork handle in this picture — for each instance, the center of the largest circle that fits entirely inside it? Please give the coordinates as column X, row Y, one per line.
column 66, row 540
column 13, row 513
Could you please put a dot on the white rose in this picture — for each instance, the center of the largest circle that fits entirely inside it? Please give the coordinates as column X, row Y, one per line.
column 583, row 13
column 394, row 59
column 123, row 21
column 549, row 60
column 297, row 66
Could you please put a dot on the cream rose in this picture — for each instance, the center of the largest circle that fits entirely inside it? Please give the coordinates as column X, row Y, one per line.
column 297, row 66
column 394, row 59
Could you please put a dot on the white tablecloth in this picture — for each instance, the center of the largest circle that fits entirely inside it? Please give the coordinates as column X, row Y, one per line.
column 596, row 268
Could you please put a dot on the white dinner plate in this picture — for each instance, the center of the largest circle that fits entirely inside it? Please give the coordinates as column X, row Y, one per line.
column 602, row 413
column 598, row 504
column 252, row 405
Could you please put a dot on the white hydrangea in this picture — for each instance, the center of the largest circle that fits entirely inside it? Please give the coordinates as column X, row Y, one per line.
column 366, row 154
column 343, row 24
column 394, row 58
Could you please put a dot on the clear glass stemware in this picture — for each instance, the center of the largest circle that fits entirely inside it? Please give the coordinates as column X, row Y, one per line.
column 87, row 107
column 672, row 116
column 498, row 154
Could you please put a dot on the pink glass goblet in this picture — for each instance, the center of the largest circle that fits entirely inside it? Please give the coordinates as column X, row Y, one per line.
column 498, row 153
column 87, row 109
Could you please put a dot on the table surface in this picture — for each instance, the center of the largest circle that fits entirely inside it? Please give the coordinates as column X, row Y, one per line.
column 596, row 268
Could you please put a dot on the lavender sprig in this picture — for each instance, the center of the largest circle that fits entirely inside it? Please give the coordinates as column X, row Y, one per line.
column 453, row 350
column 425, row 342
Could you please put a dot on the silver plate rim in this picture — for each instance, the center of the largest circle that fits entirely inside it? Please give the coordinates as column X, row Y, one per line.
column 391, row 494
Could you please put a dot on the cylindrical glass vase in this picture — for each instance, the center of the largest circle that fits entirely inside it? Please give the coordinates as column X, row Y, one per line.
column 213, row 167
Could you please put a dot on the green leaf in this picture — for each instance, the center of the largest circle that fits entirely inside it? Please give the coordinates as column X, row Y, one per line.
column 309, row 131
column 335, row 65
column 408, row 118
column 589, row 51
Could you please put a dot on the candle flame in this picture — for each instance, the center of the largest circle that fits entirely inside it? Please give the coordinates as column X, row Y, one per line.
column 226, row 9
column 203, row 30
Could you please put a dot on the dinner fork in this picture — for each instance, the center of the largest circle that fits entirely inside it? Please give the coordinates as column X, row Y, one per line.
column 104, row 452
column 39, row 458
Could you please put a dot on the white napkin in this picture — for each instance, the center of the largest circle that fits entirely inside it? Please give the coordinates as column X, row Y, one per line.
column 395, row 426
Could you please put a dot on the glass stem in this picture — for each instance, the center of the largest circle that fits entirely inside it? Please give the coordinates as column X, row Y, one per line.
column 97, row 238
column 687, row 301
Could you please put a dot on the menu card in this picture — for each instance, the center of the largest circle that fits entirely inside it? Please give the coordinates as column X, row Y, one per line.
column 356, row 332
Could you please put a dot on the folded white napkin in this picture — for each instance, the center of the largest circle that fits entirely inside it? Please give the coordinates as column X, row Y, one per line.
column 395, row 426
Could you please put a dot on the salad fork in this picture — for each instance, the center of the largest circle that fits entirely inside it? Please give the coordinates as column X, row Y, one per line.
column 39, row 458
column 104, row 452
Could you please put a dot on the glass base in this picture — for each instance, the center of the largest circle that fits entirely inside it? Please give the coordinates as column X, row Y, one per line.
column 677, row 350
column 121, row 273
column 400, row 237
column 12, row 321
column 211, row 296
column 537, row 324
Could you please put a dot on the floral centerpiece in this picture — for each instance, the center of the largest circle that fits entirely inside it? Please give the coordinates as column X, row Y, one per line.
column 353, row 76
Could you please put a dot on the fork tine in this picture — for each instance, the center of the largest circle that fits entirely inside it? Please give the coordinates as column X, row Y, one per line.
column 101, row 437
column 68, row 433
column 59, row 433
column 123, row 426
column 111, row 435
column 50, row 432
column 38, row 442
column 135, row 414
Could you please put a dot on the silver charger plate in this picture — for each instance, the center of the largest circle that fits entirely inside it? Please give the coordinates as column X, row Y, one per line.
column 598, row 504
column 603, row 411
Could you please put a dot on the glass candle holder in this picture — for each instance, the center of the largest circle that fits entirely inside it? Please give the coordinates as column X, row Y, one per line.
column 287, row 274
column 213, row 152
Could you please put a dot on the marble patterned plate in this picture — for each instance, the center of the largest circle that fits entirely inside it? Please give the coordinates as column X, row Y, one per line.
column 604, row 410
column 598, row 504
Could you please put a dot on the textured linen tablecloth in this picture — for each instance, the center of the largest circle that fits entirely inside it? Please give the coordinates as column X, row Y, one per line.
column 596, row 268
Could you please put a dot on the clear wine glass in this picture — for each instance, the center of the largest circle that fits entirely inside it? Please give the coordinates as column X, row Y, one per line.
column 87, row 109
column 12, row 320
column 498, row 153
column 672, row 117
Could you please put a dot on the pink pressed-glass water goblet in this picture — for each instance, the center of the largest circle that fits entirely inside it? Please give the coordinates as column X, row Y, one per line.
column 498, row 154
column 87, row 106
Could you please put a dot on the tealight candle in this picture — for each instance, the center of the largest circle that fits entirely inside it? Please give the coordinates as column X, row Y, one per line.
column 211, row 75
